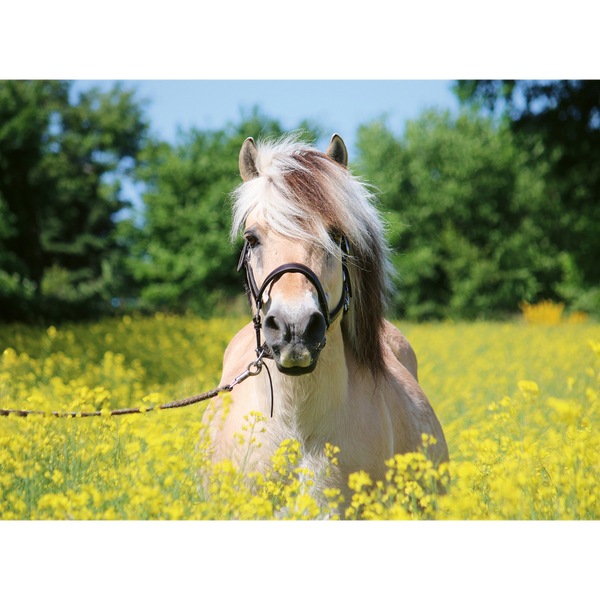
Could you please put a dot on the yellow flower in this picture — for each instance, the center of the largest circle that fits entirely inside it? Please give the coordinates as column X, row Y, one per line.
column 58, row 478
column 529, row 388
column 359, row 480
column 509, row 458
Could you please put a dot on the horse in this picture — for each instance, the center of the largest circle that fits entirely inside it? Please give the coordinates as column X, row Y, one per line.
column 318, row 275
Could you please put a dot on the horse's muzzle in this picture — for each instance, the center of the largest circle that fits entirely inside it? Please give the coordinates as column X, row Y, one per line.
column 295, row 344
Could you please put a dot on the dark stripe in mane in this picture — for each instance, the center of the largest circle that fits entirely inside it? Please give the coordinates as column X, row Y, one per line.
column 305, row 186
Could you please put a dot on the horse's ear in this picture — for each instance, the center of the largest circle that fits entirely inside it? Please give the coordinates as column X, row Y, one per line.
column 248, row 155
column 337, row 150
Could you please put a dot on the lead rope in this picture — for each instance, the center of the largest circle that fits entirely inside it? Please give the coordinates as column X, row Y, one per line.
column 254, row 368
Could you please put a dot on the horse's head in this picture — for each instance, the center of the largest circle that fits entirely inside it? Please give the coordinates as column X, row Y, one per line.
column 299, row 287
column 302, row 211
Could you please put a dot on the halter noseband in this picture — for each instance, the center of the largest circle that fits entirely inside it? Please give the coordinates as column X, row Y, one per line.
column 330, row 317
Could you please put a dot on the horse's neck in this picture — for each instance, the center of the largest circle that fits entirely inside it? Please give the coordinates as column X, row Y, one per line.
column 310, row 402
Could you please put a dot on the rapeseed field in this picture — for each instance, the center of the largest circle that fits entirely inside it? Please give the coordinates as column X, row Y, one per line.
column 519, row 403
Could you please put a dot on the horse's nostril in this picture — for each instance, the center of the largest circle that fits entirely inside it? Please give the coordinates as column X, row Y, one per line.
column 315, row 329
column 271, row 323
column 276, row 330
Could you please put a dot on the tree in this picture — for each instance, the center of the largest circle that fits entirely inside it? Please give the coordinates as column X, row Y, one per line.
column 60, row 169
column 180, row 251
column 565, row 117
column 465, row 207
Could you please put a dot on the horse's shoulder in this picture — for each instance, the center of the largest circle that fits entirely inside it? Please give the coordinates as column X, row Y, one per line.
column 410, row 410
column 400, row 347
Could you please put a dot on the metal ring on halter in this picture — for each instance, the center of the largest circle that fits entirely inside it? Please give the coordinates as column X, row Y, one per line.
column 258, row 364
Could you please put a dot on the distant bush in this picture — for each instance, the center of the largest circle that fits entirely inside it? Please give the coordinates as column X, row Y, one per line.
column 470, row 216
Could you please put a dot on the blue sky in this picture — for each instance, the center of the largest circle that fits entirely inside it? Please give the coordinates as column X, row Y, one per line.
column 340, row 106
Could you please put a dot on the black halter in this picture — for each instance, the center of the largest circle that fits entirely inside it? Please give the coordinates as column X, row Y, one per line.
column 330, row 316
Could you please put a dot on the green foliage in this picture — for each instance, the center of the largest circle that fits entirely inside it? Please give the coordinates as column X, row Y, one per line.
column 564, row 116
column 60, row 169
column 484, row 212
column 469, row 213
column 180, row 254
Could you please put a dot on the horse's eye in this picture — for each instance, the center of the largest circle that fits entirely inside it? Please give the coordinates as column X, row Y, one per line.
column 251, row 239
